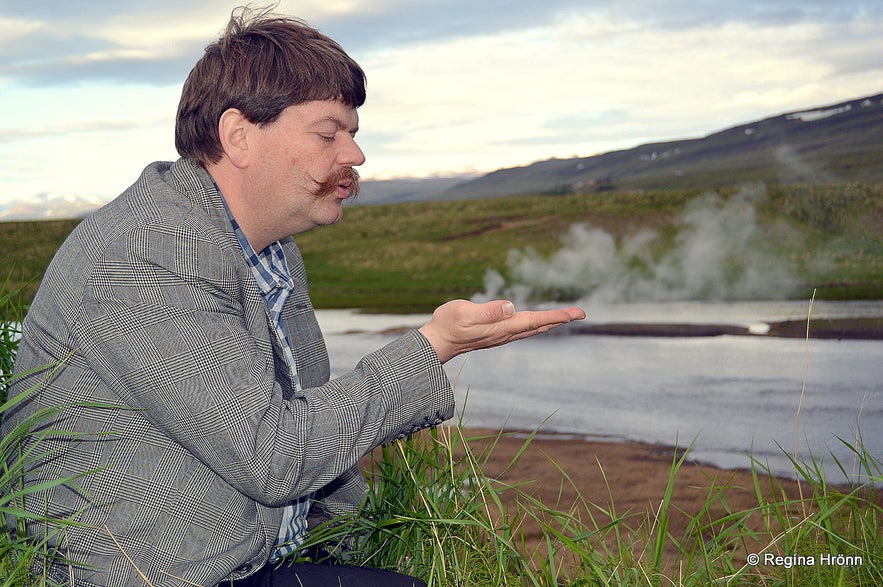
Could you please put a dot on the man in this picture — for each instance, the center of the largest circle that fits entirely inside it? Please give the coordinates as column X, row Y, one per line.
column 193, row 375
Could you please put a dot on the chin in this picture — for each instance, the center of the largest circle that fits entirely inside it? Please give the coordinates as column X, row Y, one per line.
column 332, row 217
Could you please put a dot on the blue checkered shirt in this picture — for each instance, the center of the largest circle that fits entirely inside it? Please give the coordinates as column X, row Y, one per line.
column 270, row 271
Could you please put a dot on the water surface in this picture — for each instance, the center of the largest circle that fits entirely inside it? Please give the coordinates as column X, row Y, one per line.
column 731, row 396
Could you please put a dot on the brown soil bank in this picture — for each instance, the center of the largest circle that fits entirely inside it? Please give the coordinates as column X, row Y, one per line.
column 609, row 479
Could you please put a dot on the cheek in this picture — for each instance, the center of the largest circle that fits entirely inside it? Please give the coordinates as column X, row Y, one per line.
column 309, row 167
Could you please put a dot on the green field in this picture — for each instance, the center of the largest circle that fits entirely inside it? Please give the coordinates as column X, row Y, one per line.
column 411, row 257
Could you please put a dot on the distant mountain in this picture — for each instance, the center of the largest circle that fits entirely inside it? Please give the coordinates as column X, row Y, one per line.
column 46, row 206
column 837, row 143
column 394, row 191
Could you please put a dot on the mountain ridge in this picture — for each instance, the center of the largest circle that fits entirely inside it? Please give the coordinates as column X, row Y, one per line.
column 840, row 142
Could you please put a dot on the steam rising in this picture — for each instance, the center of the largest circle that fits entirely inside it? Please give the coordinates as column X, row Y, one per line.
column 720, row 252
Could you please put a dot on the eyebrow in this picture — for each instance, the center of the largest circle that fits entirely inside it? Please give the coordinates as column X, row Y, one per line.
column 341, row 125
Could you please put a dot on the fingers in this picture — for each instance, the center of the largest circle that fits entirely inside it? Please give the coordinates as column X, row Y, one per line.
column 461, row 326
column 575, row 313
column 544, row 320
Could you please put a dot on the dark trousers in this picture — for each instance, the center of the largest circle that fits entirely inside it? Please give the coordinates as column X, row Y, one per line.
column 324, row 575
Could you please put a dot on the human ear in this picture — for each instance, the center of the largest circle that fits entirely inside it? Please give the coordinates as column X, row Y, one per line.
column 233, row 130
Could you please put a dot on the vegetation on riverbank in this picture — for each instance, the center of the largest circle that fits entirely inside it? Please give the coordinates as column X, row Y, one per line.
column 414, row 256
column 432, row 511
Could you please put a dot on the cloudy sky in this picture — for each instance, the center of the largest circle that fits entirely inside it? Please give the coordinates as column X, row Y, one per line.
column 88, row 89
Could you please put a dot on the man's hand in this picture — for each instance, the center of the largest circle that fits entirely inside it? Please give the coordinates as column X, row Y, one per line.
column 460, row 326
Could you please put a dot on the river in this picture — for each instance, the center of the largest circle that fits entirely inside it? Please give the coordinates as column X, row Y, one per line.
column 735, row 398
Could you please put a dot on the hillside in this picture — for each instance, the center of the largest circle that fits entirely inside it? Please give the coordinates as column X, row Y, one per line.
column 838, row 143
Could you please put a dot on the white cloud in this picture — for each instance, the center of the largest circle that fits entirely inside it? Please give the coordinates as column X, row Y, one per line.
column 90, row 140
column 12, row 30
column 498, row 100
column 453, row 85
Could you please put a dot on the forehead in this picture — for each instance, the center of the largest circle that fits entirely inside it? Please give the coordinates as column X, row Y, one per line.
column 322, row 114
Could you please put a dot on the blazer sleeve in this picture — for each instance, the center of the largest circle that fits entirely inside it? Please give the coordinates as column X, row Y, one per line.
column 174, row 324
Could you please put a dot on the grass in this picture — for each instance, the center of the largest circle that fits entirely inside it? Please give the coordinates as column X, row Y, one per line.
column 27, row 247
column 411, row 257
column 17, row 550
column 432, row 512
column 11, row 314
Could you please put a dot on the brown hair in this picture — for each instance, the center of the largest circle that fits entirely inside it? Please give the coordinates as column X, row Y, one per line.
column 262, row 64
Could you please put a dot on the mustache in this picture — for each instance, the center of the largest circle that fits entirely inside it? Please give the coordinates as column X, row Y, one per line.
column 344, row 176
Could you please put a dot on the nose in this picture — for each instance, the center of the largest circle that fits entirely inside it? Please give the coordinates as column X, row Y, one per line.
column 351, row 155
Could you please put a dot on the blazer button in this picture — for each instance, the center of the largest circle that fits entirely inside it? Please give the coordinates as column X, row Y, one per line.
column 245, row 568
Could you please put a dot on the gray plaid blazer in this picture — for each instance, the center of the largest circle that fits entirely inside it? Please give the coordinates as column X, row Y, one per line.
column 152, row 308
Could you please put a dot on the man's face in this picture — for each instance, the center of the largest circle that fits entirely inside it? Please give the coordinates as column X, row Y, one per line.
column 304, row 166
